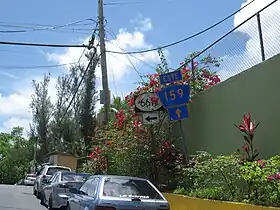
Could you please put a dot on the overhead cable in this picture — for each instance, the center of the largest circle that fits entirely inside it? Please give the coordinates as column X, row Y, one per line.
column 187, row 38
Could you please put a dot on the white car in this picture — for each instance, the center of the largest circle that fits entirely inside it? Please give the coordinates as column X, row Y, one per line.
column 45, row 174
column 29, row 179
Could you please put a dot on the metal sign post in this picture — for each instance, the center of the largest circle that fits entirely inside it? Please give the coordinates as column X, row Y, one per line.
column 175, row 98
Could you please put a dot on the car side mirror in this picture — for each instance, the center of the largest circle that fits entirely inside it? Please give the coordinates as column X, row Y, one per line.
column 74, row 190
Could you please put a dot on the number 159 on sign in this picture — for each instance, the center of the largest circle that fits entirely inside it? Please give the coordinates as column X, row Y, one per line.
column 174, row 95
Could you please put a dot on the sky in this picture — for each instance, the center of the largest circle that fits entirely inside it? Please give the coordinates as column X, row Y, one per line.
column 131, row 25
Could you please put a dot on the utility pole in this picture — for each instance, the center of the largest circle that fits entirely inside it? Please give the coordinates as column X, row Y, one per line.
column 103, row 62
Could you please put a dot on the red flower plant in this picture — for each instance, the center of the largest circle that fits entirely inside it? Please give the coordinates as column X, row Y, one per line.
column 248, row 127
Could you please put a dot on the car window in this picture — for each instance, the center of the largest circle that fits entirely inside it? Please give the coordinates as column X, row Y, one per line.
column 39, row 172
column 129, row 188
column 53, row 178
column 85, row 186
column 93, row 187
column 52, row 170
column 56, row 178
column 74, row 177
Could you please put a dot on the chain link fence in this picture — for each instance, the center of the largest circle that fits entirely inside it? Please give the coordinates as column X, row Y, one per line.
column 254, row 38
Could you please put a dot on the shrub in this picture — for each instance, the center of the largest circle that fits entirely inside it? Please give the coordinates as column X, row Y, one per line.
column 217, row 173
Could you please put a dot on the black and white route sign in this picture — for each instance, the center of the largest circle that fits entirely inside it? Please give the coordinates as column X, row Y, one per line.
column 148, row 102
column 150, row 118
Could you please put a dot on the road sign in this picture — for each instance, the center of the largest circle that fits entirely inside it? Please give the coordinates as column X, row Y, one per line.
column 150, row 118
column 148, row 102
column 178, row 113
column 174, row 95
column 170, row 77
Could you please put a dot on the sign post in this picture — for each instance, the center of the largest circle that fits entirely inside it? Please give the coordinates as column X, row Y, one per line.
column 175, row 98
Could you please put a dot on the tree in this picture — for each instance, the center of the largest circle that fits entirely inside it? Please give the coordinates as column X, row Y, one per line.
column 17, row 153
column 42, row 111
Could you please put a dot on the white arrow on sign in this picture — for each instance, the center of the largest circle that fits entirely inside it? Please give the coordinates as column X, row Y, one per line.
column 145, row 103
column 150, row 118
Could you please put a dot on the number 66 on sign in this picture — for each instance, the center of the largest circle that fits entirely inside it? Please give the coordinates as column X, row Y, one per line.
column 174, row 95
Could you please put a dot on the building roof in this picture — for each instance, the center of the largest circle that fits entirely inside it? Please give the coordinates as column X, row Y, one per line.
column 59, row 153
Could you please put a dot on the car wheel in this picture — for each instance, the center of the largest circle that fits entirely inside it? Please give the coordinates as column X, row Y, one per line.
column 38, row 194
column 68, row 207
column 50, row 207
column 42, row 200
column 34, row 191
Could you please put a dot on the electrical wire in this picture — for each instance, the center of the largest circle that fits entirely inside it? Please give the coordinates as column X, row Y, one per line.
column 46, row 45
column 121, row 48
column 226, row 34
column 45, row 28
column 187, row 38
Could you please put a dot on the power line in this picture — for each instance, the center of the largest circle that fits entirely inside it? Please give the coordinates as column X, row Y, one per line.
column 40, row 66
column 79, row 84
column 226, row 34
column 187, row 38
column 46, row 45
column 51, row 28
column 133, row 66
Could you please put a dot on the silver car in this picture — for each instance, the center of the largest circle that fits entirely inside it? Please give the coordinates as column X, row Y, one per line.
column 29, row 179
column 103, row 192
column 56, row 191
column 44, row 174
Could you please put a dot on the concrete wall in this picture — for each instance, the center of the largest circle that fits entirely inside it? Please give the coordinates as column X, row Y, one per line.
column 212, row 113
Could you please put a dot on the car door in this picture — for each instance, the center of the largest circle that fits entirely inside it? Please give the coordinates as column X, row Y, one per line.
column 48, row 188
column 88, row 200
column 76, row 199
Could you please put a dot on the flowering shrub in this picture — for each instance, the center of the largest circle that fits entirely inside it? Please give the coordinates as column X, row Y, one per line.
column 134, row 144
column 248, row 127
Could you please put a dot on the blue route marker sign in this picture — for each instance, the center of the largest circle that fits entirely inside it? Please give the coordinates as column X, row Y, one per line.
column 170, row 77
column 178, row 113
column 174, row 95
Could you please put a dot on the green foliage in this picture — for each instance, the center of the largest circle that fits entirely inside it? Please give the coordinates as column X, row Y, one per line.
column 17, row 154
column 260, row 189
column 208, row 173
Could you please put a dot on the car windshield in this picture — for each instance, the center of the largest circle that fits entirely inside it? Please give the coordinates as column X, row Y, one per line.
column 52, row 170
column 129, row 188
column 74, row 177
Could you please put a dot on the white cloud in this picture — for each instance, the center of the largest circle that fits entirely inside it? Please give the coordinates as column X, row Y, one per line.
column 142, row 24
column 15, row 121
column 118, row 65
column 15, row 107
column 270, row 22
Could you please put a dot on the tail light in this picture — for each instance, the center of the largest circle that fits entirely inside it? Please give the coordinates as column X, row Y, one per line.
column 104, row 208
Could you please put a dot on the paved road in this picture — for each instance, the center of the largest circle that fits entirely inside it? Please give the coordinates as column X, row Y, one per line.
column 18, row 198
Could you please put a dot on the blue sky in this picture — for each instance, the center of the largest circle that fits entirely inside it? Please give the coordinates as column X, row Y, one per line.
column 166, row 21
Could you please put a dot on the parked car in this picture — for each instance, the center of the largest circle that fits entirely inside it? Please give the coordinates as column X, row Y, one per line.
column 103, row 192
column 56, row 192
column 29, row 179
column 43, row 175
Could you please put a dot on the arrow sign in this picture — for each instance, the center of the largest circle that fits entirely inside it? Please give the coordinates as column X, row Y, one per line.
column 150, row 118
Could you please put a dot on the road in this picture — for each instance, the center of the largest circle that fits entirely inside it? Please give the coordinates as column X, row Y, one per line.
column 18, row 198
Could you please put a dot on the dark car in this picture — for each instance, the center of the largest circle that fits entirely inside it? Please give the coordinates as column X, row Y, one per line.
column 56, row 191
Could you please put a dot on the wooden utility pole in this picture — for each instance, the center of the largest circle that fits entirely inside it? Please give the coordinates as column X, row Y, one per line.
column 105, row 87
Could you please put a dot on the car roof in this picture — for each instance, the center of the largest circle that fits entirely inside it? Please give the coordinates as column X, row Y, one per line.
column 117, row 177
column 52, row 166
